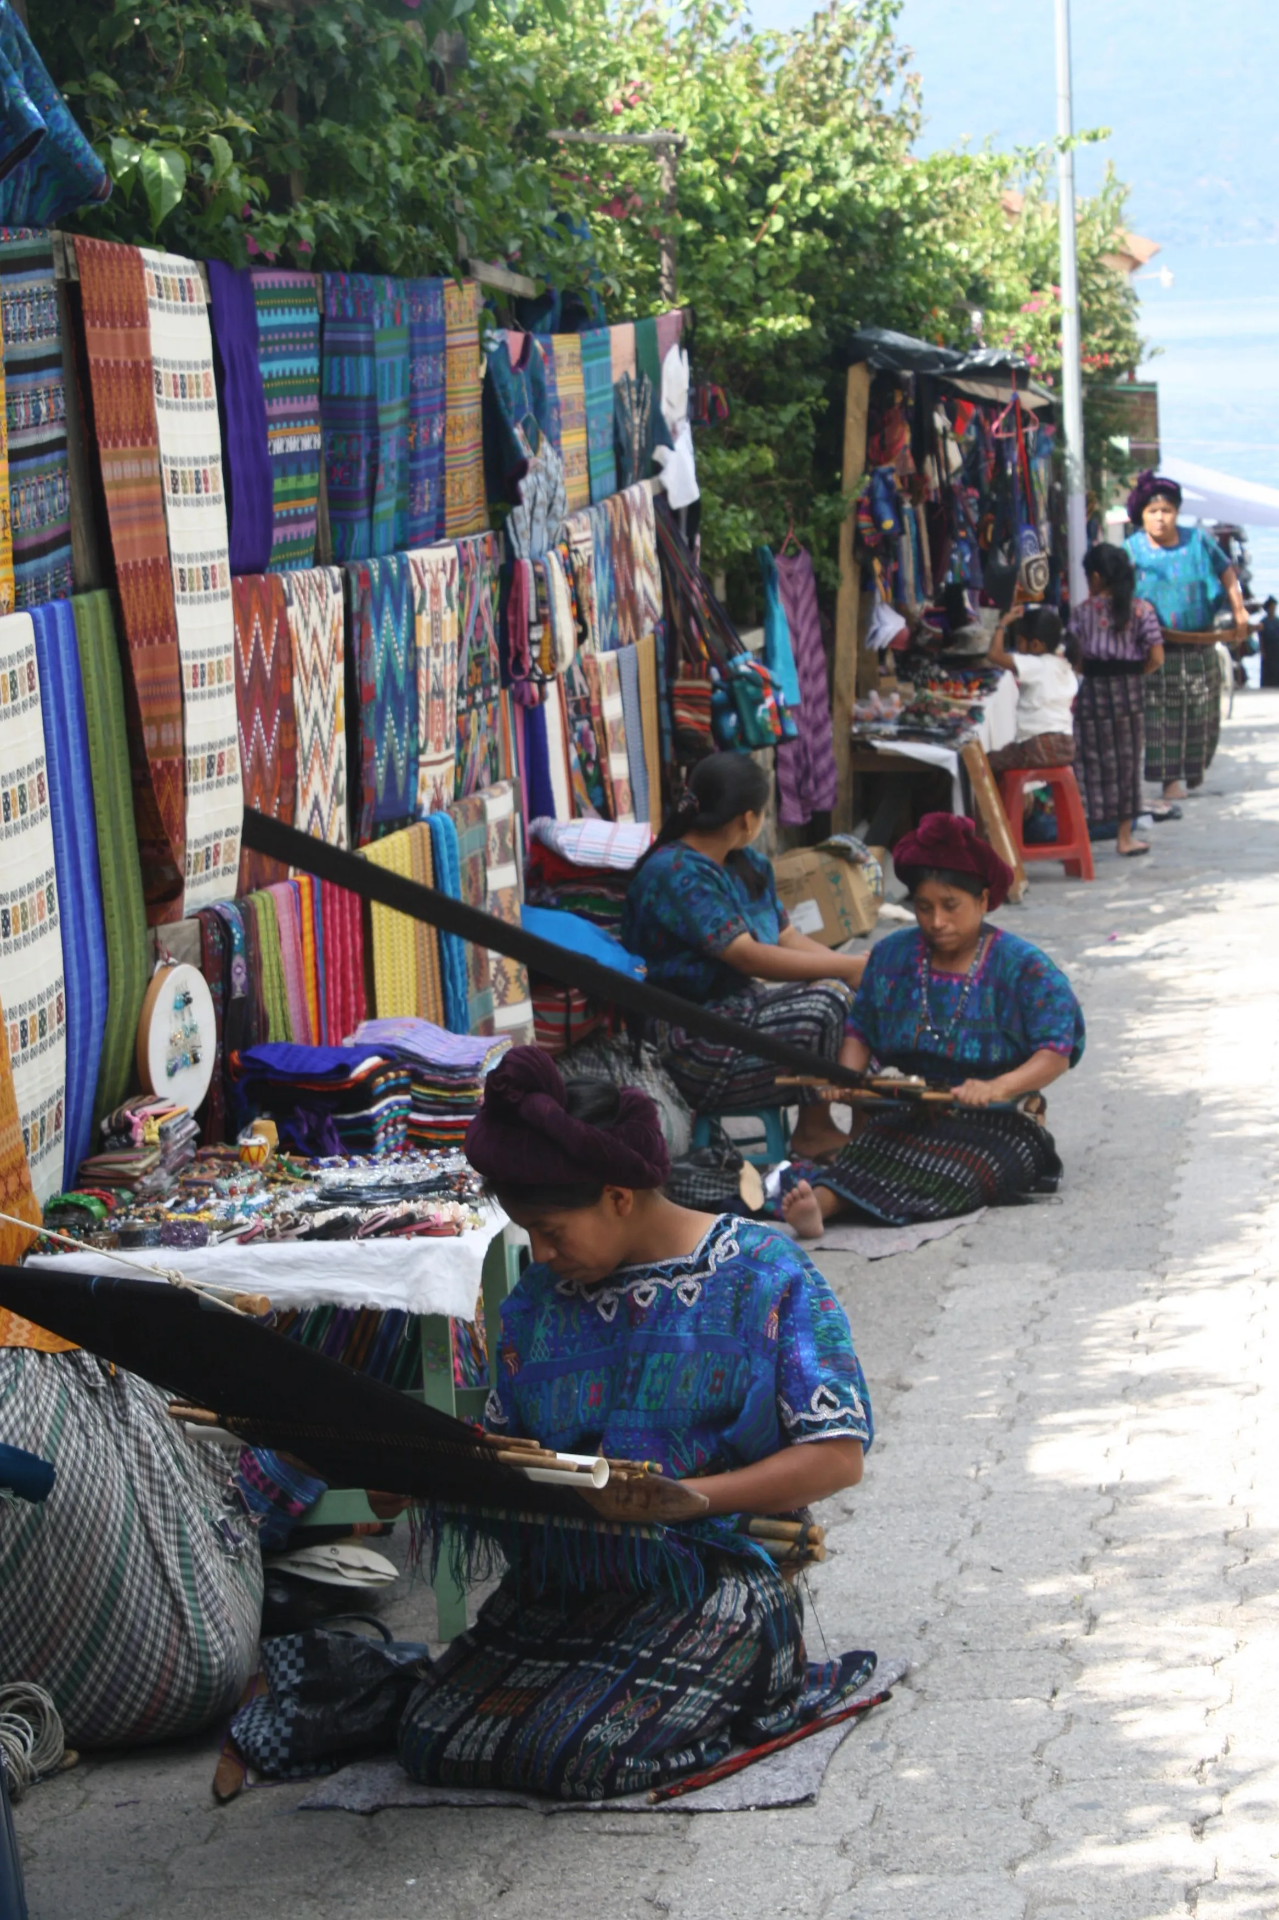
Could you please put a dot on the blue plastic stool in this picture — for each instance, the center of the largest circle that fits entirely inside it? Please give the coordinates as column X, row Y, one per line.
column 765, row 1150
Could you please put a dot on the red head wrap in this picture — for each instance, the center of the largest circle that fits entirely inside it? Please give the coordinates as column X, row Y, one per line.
column 525, row 1136
column 950, row 841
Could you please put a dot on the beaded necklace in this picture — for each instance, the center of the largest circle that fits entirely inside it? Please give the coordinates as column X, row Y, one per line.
column 924, row 1029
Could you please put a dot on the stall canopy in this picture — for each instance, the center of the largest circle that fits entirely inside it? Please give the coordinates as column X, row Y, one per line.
column 1209, row 495
column 982, row 372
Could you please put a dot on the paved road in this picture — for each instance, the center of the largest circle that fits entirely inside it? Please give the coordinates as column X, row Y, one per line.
column 1068, row 1523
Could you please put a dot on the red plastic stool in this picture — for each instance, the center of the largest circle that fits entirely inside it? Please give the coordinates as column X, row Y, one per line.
column 1072, row 845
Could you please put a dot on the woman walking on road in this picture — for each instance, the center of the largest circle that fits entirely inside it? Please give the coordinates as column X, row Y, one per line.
column 1120, row 645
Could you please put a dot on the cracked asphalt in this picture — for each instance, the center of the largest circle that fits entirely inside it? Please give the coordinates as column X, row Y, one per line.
column 1068, row 1522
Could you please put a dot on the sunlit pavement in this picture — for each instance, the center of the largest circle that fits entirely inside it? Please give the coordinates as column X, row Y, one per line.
column 1068, row 1522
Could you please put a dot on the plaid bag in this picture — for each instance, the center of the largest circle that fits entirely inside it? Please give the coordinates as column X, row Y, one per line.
column 627, row 1065
column 332, row 1697
column 708, row 1179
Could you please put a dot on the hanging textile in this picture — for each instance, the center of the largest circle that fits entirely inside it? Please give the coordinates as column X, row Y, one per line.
column 557, row 750
column 18, row 1200
column 536, row 522
column 307, row 890
column 117, row 336
column 807, row 781
column 453, row 951
column 213, row 965
column 464, row 506
column 288, row 317
column 646, row 569
column 343, row 932
column 426, row 412
column 646, row 653
column 480, row 754
column 265, row 712
column 349, row 412
column 648, row 366
column 606, row 609
column 580, row 537
column 32, row 980
column 75, row 847
column 585, row 770
column 430, row 983
column 394, row 943
column 504, row 894
column 610, row 726
column 668, row 336
column 625, row 585
column 8, row 588
column 434, row 574
column 186, row 414
column 627, row 659
column 597, row 388
column 242, row 407
column 567, row 361
column 39, row 493
column 391, row 373
column 288, row 921
column 621, row 344
column 382, row 634
column 535, row 770
column 634, row 415
column 274, row 985
column 470, row 820
column 518, row 386
column 49, row 167
column 313, row 605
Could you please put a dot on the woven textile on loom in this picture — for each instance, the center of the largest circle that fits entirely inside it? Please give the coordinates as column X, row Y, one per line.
column 391, row 378
column 480, row 754
column 118, row 340
column 465, row 510
column 313, row 606
column 120, row 875
column 36, row 415
column 384, row 639
column 597, row 388
column 242, row 405
column 435, row 587
column 264, row 705
column 75, row 845
column 567, row 360
column 470, row 821
column 288, row 311
column 426, row 412
column 186, row 412
column 32, row 983
column 504, row 891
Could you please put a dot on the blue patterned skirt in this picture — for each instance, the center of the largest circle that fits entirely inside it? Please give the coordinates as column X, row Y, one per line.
column 906, row 1166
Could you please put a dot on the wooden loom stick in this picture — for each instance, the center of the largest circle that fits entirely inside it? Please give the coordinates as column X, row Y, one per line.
column 737, row 1762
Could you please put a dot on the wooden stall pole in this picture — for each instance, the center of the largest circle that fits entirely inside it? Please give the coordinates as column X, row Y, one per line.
column 849, row 668
column 992, row 821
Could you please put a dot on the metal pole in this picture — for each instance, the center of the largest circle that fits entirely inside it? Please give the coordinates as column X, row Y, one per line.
column 1072, row 393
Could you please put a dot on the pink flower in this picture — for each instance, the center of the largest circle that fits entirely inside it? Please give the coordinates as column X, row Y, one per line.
column 304, row 246
column 252, row 244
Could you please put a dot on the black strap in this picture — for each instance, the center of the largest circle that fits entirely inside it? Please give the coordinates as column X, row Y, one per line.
column 370, row 882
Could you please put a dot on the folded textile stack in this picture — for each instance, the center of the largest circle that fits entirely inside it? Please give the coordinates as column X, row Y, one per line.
column 326, row 1099
column 145, row 1145
column 563, row 1015
column 446, row 1071
column 598, row 894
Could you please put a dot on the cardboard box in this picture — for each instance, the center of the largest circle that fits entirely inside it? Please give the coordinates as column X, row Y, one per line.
column 826, row 897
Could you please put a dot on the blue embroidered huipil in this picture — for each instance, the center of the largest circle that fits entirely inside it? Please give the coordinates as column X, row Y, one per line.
column 1182, row 583
column 684, row 908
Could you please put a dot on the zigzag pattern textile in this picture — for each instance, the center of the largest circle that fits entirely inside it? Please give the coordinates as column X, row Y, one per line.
column 186, row 413
column 465, row 510
column 434, row 573
column 36, row 416
column 313, row 601
column 117, row 335
column 426, row 412
column 479, row 733
column 288, row 311
column 265, row 709
column 383, row 636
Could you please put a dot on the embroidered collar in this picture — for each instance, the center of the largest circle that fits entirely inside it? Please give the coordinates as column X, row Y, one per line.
column 683, row 1277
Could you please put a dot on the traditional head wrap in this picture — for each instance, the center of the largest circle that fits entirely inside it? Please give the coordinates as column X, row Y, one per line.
column 1144, row 489
column 950, row 841
column 524, row 1135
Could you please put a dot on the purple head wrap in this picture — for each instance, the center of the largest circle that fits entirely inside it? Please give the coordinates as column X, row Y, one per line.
column 525, row 1136
column 1144, row 489
column 951, row 841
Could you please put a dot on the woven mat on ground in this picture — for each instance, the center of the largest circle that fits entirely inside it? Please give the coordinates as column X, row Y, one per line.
column 877, row 1243
column 791, row 1778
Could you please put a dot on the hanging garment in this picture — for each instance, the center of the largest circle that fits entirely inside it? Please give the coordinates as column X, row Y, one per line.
column 47, row 167
column 566, row 360
column 117, row 336
column 426, row 412
column 806, row 778
column 518, row 387
column 265, row 712
column 536, row 521
column 242, row 407
column 597, row 385
column 391, row 374
column 470, row 822
column 32, row 977
column 349, row 412
column 186, row 413
column 434, row 577
column 479, row 739
column 464, row 506
column 313, row 604
column 453, row 951
column 384, row 639
column 75, row 847
column 36, row 416
column 586, row 770
column 288, row 316
column 504, row 894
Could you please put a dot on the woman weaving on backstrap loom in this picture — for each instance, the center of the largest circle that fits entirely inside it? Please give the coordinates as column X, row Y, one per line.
column 710, row 1346
column 965, row 1007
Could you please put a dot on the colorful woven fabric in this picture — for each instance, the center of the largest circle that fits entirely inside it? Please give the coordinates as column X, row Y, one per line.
column 383, row 636
column 123, row 911
column 921, row 1166
column 348, row 410
column 186, row 413
column 453, row 951
column 627, row 659
column 642, row 519
column 36, row 417
column 313, row 602
column 567, row 360
column 75, row 847
column 391, row 373
column 607, row 615
column 426, row 412
column 470, row 822
column 479, row 746
column 434, row 574
column 394, row 940
column 504, row 894
column 465, row 510
column 625, row 585
column 17, row 1198
column 117, row 335
column 1183, row 715
column 621, row 342
column 597, row 386
column 32, row 981
column 242, row 406
column 265, row 708
column 308, row 888
column 288, row 314
column 274, row 985
column 430, row 979
column 288, row 920
column 557, row 763
column 648, row 359
column 585, row 771
column 7, row 585
column 613, row 737
column 49, row 167
column 650, row 725
column 342, row 920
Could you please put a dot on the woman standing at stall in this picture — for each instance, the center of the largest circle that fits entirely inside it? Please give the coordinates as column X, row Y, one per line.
column 1185, row 576
column 1120, row 644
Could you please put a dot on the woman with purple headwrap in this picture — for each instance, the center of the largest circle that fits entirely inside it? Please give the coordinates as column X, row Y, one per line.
column 708, row 1346
column 1187, row 578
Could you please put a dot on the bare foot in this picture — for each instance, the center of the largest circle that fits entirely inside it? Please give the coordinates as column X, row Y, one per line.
column 817, row 1135
column 800, row 1210
column 1127, row 847
column 1173, row 790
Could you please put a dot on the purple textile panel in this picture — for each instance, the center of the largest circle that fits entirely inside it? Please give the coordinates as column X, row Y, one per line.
column 806, row 777
column 242, row 405
column 426, row 412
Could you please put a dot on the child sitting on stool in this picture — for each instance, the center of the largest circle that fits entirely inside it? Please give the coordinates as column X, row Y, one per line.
column 1046, row 687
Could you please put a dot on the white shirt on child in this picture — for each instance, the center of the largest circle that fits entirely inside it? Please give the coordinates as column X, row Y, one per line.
column 1046, row 687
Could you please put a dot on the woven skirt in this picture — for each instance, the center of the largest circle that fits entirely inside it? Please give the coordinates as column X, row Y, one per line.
column 1110, row 730
column 1183, row 715
column 906, row 1166
column 716, row 1077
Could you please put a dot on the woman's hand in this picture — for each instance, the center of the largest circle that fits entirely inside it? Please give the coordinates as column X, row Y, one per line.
column 795, row 1477
column 1042, row 1068
column 979, row 1093
column 761, row 960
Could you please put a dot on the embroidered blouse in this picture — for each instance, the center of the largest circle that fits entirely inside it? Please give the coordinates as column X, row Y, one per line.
column 1099, row 639
column 1182, row 583
column 684, row 908
column 703, row 1364
column 1017, row 1003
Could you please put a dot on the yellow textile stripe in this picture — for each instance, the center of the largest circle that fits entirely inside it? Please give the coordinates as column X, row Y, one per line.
column 566, row 354
column 310, row 957
column 430, row 979
column 17, row 1332
column 647, row 651
column 394, row 934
